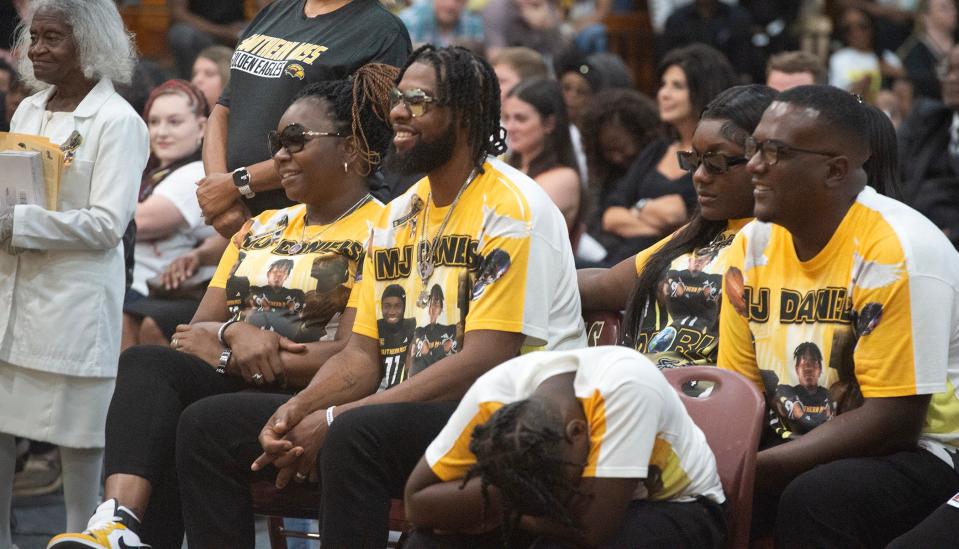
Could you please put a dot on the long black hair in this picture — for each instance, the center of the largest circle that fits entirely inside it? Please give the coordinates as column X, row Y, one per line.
column 741, row 108
column 467, row 84
column 882, row 167
column 546, row 97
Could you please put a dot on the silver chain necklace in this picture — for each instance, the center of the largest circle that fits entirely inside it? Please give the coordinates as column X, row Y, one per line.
column 424, row 253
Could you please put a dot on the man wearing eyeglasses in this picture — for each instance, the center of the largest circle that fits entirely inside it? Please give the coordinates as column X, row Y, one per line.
column 875, row 286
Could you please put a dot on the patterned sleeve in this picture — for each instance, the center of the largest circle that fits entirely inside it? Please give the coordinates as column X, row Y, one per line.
column 736, row 350
column 362, row 298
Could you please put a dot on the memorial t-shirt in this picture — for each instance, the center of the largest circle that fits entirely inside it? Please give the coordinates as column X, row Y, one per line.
column 682, row 327
column 873, row 314
column 638, row 426
column 281, row 52
column 503, row 262
column 293, row 280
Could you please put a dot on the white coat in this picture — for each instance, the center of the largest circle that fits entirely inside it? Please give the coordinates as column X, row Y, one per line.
column 61, row 299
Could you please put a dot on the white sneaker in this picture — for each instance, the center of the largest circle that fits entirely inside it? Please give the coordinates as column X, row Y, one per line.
column 108, row 528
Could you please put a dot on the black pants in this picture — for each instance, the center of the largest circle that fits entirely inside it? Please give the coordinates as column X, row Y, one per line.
column 647, row 524
column 154, row 385
column 862, row 502
column 366, row 458
column 940, row 530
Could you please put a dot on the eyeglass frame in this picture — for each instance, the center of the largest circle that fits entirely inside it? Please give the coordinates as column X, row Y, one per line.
column 759, row 147
column 728, row 160
column 274, row 136
column 397, row 97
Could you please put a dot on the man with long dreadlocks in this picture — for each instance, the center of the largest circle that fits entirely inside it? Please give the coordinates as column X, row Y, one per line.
column 469, row 210
column 590, row 447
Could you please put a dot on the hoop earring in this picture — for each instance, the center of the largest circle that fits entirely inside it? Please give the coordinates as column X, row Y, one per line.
column 346, row 167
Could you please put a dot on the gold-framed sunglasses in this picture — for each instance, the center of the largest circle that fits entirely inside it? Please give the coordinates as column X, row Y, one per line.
column 294, row 137
column 414, row 100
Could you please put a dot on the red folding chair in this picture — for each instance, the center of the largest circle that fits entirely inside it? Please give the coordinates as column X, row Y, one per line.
column 730, row 415
column 603, row 327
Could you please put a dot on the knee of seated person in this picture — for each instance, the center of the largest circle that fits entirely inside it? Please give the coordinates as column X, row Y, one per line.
column 149, row 357
column 193, row 422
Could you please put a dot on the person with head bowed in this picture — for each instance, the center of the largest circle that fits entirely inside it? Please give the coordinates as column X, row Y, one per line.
column 590, row 448
column 243, row 337
column 656, row 196
column 62, row 270
column 470, row 210
column 671, row 291
column 872, row 284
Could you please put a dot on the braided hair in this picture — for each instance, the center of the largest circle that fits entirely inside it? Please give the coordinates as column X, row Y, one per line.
column 517, row 451
column 360, row 106
column 467, row 84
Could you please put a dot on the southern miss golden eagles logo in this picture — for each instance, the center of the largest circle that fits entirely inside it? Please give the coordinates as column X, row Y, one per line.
column 295, row 70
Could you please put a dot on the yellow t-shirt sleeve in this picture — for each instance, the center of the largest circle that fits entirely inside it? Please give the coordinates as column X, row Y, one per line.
column 501, row 304
column 363, row 300
column 736, row 350
column 227, row 260
column 643, row 257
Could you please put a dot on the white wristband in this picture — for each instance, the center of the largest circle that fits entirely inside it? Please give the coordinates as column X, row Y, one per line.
column 329, row 416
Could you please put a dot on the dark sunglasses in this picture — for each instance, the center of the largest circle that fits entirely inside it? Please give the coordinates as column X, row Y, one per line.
column 714, row 162
column 294, row 137
column 774, row 151
column 415, row 100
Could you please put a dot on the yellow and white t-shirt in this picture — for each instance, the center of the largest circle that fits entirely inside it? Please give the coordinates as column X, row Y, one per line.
column 638, row 426
column 503, row 262
column 293, row 280
column 682, row 329
column 874, row 314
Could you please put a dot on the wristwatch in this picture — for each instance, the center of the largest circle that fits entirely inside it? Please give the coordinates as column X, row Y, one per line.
column 241, row 178
column 223, row 362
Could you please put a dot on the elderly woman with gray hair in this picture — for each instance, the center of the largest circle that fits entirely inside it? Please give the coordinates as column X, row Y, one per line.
column 62, row 271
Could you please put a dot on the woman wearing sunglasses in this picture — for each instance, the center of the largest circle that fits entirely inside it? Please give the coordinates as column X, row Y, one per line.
column 274, row 311
column 672, row 290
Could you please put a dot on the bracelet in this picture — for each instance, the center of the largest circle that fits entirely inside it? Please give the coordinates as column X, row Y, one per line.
column 329, row 416
column 222, row 331
column 224, row 360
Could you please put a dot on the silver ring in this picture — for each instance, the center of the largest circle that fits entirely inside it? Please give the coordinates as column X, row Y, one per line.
column 257, row 377
column 174, row 343
column 300, row 477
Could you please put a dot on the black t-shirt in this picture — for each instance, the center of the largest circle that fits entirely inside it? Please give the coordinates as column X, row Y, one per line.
column 395, row 349
column 432, row 343
column 282, row 51
column 643, row 180
column 218, row 11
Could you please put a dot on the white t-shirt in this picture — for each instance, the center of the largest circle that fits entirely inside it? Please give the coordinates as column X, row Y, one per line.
column 848, row 66
column 638, row 426
column 152, row 256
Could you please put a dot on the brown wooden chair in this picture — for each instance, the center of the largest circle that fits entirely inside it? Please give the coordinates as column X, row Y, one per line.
column 730, row 416
column 630, row 36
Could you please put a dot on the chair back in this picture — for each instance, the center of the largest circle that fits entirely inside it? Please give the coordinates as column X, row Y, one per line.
column 603, row 327
column 730, row 415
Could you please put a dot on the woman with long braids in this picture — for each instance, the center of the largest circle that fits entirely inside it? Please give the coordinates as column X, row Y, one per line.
column 591, row 447
column 672, row 290
column 274, row 312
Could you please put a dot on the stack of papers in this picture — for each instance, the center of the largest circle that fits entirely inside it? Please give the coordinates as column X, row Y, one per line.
column 30, row 170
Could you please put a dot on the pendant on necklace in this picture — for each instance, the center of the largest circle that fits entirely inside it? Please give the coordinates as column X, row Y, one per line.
column 424, row 298
column 424, row 261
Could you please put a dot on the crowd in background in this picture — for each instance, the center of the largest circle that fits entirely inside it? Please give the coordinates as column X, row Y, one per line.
column 608, row 155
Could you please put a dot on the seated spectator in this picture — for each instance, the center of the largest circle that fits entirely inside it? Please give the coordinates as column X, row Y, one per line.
column 929, row 152
column 199, row 24
column 8, row 75
column 168, row 219
column 794, row 68
column 513, row 65
column 275, row 310
column 460, row 322
column 211, row 72
column 565, row 440
column 533, row 24
column 19, row 90
column 928, row 45
column 859, row 67
column 443, row 23
column 539, row 143
column 725, row 27
column 581, row 77
column 893, row 19
column 671, row 290
column 585, row 21
column 616, row 126
column 832, row 300
column 656, row 195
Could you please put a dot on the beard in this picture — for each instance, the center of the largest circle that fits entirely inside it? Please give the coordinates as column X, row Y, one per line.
column 424, row 157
